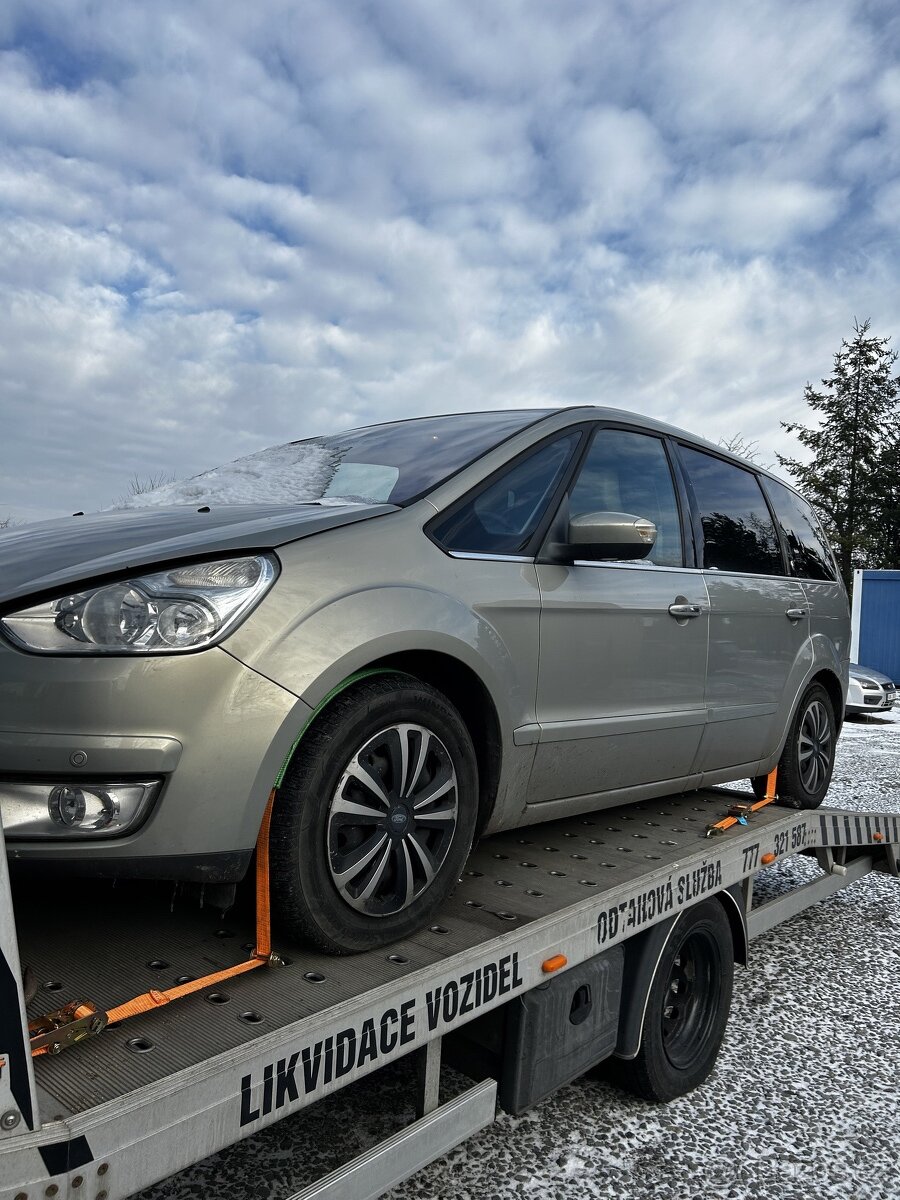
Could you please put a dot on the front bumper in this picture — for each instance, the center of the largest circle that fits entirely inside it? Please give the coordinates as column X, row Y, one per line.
column 212, row 729
column 868, row 700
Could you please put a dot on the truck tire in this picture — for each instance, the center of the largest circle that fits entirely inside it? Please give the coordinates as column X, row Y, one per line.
column 687, row 1008
column 375, row 816
column 807, row 761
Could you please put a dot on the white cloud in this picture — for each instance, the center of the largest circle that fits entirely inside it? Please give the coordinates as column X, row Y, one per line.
column 765, row 70
column 227, row 226
column 616, row 163
column 744, row 213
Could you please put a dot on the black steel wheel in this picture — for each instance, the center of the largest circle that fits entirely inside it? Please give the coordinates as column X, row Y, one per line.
column 687, row 1008
column 807, row 761
column 375, row 817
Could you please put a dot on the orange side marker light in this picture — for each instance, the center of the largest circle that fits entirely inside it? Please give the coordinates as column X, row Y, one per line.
column 878, row 837
column 556, row 963
column 765, row 859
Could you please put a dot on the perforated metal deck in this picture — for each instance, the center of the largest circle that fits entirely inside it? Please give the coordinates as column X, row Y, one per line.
column 108, row 944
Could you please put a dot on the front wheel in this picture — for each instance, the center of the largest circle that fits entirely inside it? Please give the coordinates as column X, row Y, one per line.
column 375, row 817
column 687, row 1008
column 807, row 761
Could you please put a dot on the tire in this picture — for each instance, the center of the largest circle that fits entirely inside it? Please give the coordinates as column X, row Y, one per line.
column 360, row 855
column 684, row 1024
column 807, row 761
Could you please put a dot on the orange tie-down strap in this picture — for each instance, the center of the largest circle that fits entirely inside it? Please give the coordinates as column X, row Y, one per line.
column 739, row 813
column 40, row 1029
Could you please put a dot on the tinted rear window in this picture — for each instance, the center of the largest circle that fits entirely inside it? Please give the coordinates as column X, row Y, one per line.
column 809, row 553
column 738, row 531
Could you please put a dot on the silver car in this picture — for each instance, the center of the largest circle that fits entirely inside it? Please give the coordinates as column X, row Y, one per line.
column 869, row 691
column 475, row 622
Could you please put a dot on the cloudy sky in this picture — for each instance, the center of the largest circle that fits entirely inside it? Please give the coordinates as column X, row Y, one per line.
column 227, row 225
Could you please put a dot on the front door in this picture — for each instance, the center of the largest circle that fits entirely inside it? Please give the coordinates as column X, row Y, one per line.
column 623, row 646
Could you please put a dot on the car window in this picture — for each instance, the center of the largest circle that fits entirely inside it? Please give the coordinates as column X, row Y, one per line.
column 738, row 530
column 809, row 552
column 629, row 473
column 502, row 517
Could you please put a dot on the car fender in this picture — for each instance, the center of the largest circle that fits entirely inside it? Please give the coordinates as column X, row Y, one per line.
column 317, row 651
column 352, row 631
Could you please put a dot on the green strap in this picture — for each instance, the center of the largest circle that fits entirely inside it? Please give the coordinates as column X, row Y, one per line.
column 335, row 691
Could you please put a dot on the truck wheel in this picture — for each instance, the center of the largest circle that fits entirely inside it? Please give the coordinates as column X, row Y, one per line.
column 807, row 761
column 687, row 1008
column 375, row 817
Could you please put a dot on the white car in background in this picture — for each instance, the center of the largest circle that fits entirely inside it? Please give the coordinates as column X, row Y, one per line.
column 869, row 691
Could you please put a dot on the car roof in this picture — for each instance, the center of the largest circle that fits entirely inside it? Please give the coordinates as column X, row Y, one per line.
column 627, row 416
column 600, row 413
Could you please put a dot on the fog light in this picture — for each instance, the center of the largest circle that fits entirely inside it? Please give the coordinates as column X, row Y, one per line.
column 82, row 808
column 42, row 811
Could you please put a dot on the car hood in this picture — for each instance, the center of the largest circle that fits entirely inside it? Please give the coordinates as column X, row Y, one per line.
column 858, row 672
column 37, row 559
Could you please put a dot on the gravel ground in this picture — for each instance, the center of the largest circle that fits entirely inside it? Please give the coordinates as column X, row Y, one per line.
column 803, row 1102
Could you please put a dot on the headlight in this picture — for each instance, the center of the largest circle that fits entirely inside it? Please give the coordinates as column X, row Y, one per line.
column 184, row 608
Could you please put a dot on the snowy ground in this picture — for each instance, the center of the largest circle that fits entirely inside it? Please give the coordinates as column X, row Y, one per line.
column 803, row 1104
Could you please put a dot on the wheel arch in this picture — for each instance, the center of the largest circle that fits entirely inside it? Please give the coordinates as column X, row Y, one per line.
column 832, row 686
column 732, row 900
column 469, row 695
column 465, row 690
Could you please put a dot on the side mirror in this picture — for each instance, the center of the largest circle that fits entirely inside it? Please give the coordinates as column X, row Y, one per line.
column 607, row 535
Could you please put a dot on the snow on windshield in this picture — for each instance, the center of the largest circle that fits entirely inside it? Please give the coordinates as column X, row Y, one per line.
column 289, row 474
column 390, row 463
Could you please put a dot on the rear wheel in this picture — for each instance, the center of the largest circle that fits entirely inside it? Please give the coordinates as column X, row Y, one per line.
column 375, row 817
column 807, row 761
column 687, row 1008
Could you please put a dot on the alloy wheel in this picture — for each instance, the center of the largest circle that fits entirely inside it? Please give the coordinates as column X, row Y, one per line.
column 392, row 819
column 814, row 747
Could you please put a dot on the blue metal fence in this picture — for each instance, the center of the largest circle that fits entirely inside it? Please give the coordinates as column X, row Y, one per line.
column 876, row 621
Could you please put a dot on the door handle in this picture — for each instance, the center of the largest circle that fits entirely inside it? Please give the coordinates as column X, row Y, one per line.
column 680, row 611
column 796, row 614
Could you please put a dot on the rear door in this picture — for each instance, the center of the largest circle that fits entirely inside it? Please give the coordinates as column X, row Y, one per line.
column 811, row 561
column 620, row 697
column 759, row 649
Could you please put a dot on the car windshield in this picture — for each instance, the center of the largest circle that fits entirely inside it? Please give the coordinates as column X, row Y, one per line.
column 392, row 463
column 404, row 459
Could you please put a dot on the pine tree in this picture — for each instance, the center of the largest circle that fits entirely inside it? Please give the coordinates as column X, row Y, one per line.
column 884, row 538
column 850, row 446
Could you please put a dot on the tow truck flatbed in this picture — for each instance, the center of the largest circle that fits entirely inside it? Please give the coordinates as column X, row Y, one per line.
column 148, row 1097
